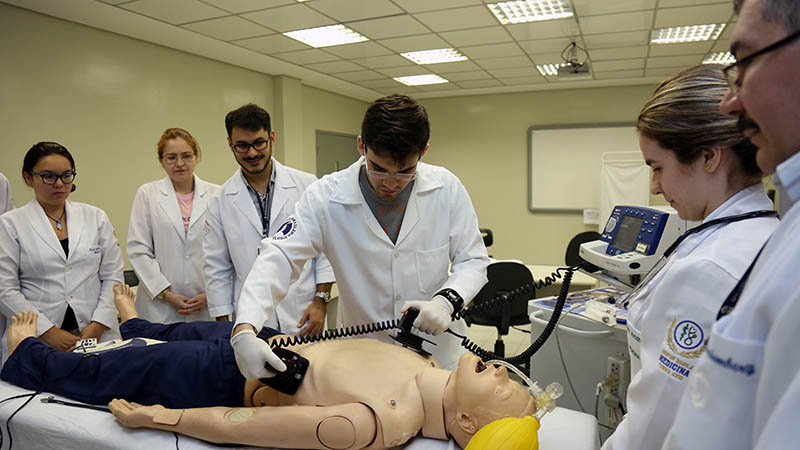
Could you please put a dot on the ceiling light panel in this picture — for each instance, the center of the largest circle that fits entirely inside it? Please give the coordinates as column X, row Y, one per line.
column 436, row 56
column 550, row 70
column 530, row 10
column 326, row 36
column 419, row 80
column 691, row 33
column 720, row 58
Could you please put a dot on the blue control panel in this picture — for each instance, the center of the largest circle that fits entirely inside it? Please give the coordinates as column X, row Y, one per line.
column 634, row 229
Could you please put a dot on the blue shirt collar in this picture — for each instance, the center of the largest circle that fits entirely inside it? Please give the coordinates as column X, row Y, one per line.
column 787, row 180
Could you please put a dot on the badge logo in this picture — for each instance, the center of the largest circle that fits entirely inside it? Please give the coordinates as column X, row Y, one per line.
column 286, row 230
column 688, row 335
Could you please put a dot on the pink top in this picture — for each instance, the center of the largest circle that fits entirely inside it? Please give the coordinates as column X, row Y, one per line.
column 185, row 202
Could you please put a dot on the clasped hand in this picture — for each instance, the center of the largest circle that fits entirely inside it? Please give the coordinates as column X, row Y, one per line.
column 434, row 315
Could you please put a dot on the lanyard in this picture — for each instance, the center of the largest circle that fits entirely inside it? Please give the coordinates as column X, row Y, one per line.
column 721, row 221
column 733, row 298
column 265, row 206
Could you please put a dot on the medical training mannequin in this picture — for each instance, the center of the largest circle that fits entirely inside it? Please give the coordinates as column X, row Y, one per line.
column 357, row 393
column 59, row 258
column 165, row 235
column 705, row 168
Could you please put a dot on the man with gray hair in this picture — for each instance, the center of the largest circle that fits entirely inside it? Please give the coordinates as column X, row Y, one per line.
column 744, row 391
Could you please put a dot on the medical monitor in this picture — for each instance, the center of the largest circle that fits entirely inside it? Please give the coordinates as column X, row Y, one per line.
column 634, row 229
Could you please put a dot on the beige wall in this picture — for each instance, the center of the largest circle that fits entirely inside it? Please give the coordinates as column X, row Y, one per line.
column 107, row 98
column 483, row 140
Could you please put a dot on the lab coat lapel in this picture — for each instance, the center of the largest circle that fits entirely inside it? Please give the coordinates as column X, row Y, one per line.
column 283, row 183
column 244, row 203
column 199, row 202
column 169, row 203
column 411, row 216
column 75, row 228
column 41, row 224
column 349, row 193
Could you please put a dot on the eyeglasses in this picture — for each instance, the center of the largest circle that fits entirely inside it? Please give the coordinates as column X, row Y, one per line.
column 51, row 178
column 402, row 177
column 172, row 158
column 732, row 75
column 259, row 146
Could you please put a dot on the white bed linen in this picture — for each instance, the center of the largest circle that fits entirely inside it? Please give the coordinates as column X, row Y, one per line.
column 51, row 426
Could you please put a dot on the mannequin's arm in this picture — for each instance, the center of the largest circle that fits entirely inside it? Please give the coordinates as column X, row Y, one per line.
column 348, row 426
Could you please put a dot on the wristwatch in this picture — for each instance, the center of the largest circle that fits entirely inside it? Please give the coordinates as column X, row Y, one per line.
column 163, row 294
column 454, row 298
column 325, row 296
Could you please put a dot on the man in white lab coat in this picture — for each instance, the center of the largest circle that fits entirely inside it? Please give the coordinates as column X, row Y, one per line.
column 249, row 207
column 390, row 226
column 744, row 391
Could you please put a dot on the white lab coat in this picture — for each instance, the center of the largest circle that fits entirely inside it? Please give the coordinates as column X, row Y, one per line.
column 5, row 194
column 233, row 236
column 745, row 390
column 672, row 315
column 375, row 276
column 36, row 276
column 162, row 254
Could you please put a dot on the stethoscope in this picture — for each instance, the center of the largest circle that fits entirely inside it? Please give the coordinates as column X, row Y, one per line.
column 662, row 262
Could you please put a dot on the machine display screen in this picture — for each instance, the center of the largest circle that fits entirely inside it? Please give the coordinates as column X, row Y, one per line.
column 625, row 237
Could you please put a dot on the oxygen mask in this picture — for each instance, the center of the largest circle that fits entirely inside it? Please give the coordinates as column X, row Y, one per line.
column 545, row 399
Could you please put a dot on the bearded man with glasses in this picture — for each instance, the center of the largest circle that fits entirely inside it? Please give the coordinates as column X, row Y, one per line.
column 399, row 233
column 250, row 207
column 744, row 392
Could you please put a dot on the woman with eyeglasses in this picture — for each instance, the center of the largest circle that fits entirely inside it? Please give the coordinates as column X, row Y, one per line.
column 705, row 168
column 58, row 257
column 165, row 235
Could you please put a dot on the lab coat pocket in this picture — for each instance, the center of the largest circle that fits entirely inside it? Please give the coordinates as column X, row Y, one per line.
column 432, row 268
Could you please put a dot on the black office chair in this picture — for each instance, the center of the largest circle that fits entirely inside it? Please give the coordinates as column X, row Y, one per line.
column 504, row 276
column 488, row 237
column 130, row 278
column 572, row 255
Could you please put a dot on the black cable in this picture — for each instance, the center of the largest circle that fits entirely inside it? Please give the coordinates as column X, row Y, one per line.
column 52, row 399
column 355, row 330
column 12, row 398
column 622, row 407
column 522, row 330
column 8, row 422
column 176, row 440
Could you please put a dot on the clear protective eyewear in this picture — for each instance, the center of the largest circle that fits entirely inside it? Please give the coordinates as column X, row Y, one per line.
column 402, row 177
column 259, row 145
column 172, row 158
column 51, row 178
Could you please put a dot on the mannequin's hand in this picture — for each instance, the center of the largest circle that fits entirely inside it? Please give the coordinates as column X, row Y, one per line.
column 252, row 353
column 133, row 415
column 315, row 316
column 59, row 339
column 434, row 315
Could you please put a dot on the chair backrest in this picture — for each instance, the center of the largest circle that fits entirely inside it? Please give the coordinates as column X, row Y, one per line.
column 504, row 276
column 572, row 255
column 488, row 237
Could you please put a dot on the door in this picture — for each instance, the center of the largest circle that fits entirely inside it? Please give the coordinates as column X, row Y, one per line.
column 335, row 151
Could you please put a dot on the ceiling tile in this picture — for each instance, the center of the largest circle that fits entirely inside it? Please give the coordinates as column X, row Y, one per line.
column 437, row 87
column 240, row 6
column 674, row 61
column 504, row 63
column 458, row 18
column 451, row 67
column 428, row 5
column 476, row 36
column 271, row 44
column 404, row 71
column 310, row 56
column 387, row 27
column 413, row 43
column 359, row 50
column 382, row 83
column 518, row 81
column 550, row 58
column 401, row 89
column 688, row 48
column 492, row 50
column 346, row 10
column 381, row 62
column 611, row 40
column 548, row 45
column 664, row 71
column 691, row 15
column 613, row 23
column 176, row 11
column 594, row 7
column 334, row 67
column 515, row 72
column 464, row 76
column 605, row 54
column 673, row 3
column 544, row 29
column 114, row 2
column 360, row 75
column 722, row 45
column 619, row 74
column 228, row 28
column 471, row 84
column 618, row 64
column 727, row 32
column 289, row 18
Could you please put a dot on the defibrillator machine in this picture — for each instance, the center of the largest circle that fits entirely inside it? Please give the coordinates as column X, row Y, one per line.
column 631, row 243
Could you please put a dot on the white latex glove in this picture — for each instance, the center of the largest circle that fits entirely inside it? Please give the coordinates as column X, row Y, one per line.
column 252, row 353
column 434, row 315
